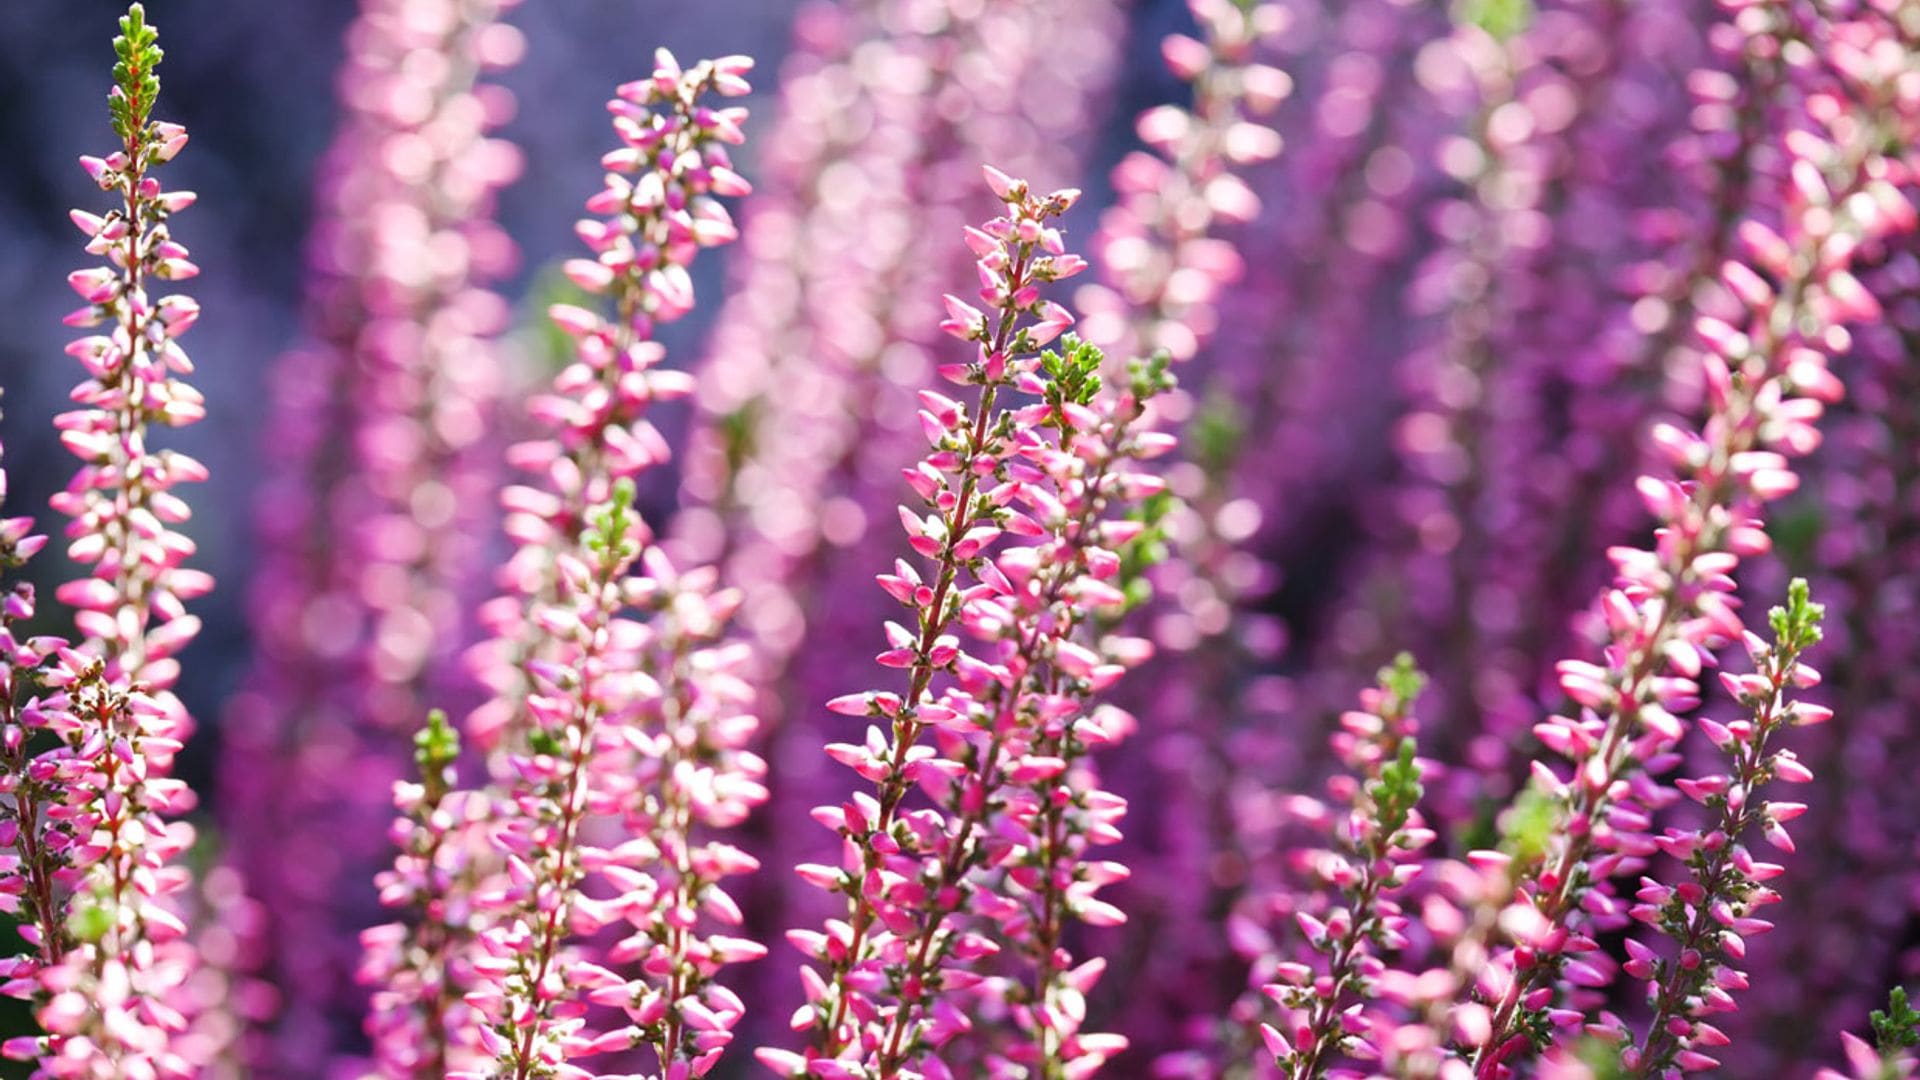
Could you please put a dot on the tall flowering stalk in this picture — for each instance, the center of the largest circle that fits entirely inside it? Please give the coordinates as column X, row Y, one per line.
column 693, row 777
column 382, row 467
column 438, row 836
column 1380, row 833
column 588, row 722
column 32, row 889
column 527, row 979
column 1862, row 486
column 1007, row 720
column 1161, row 259
column 1277, row 446
column 660, row 207
column 113, row 991
column 805, row 413
column 1710, row 916
column 1672, row 608
column 1049, row 654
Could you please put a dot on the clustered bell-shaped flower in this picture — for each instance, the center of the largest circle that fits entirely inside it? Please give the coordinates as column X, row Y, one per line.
column 1672, row 610
column 659, row 208
column 1162, row 264
column 599, row 718
column 1379, row 834
column 1010, row 719
column 1711, row 914
column 110, row 978
column 440, row 842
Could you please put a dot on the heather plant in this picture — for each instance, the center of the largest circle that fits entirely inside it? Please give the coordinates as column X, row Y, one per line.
column 1007, row 720
column 109, row 964
column 1672, row 611
column 1379, row 835
column 1862, row 553
column 598, row 714
column 1896, row 1032
column 1710, row 916
column 1563, row 336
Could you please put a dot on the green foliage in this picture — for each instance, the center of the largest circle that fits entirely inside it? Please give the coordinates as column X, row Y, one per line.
column 90, row 919
column 1794, row 528
column 1501, row 19
column 135, row 84
column 1147, row 550
column 737, row 430
column 1072, row 377
column 1528, row 826
column 612, row 527
column 544, row 743
column 1150, row 376
column 1215, row 434
column 435, row 749
column 1601, row 1057
column 1897, row 1028
column 1398, row 790
column 1402, row 681
column 550, row 347
column 1482, row 831
column 1796, row 625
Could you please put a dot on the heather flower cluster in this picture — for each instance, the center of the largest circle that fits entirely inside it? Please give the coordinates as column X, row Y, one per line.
column 1710, row 916
column 91, row 756
column 1380, row 834
column 596, row 714
column 1009, row 722
column 1563, row 336
column 1766, row 380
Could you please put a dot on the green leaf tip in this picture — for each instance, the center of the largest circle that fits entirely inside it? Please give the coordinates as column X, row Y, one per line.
column 135, row 84
column 1898, row 1027
column 436, row 745
column 1402, row 680
column 611, row 526
column 1073, row 375
column 1796, row 624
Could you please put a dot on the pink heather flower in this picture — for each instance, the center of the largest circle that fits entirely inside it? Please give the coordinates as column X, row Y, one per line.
column 1711, row 915
column 1000, row 859
column 785, row 478
column 440, row 837
column 1671, row 609
column 110, row 997
column 600, row 719
column 33, row 881
column 659, row 190
column 1379, row 833
column 1162, row 264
